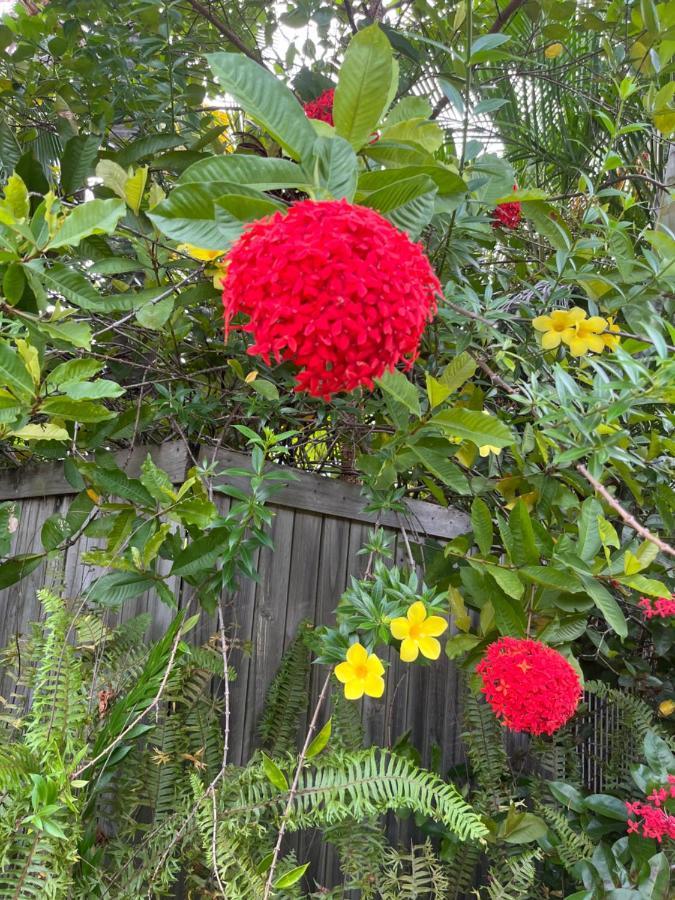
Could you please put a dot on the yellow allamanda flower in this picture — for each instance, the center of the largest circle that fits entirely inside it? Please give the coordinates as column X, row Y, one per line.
column 557, row 326
column 200, row 252
column 610, row 338
column 361, row 673
column 487, row 449
column 418, row 632
column 586, row 336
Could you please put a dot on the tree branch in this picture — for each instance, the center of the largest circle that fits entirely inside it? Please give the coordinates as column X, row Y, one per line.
column 630, row 520
column 227, row 32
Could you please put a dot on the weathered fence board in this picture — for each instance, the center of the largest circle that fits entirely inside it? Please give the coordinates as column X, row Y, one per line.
column 318, row 528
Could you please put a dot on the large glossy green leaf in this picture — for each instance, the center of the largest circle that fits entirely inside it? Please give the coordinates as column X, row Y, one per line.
column 441, row 467
column 589, row 542
column 481, row 523
column 77, row 162
column 428, row 135
column 16, row 568
column 189, row 214
column 408, row 204
column 76, row 410
column 266, row 100
column 115, row 588
column 471, row 425
column 68, row 283
column 446, row 181
column 93, row 217
column 332, row 168
column 607, row 605
column 200, row 555
column 401, row 389
column 262, row 172
column 363, row 86
column 14, row 376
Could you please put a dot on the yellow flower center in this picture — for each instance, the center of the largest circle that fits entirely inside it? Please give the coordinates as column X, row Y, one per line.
column 415, row 632
column 361, row 671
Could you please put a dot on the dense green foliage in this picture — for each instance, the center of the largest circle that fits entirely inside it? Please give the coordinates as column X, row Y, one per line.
column 137, row 141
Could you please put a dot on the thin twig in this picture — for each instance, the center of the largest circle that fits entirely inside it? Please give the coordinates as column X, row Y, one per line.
column 630, row 520
column 493, row 376
column 294, row 787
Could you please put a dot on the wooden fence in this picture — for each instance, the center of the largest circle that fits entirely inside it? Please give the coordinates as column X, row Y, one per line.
column 318, row 528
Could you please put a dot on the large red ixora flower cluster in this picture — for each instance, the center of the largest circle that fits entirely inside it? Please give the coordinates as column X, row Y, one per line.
column 335, row 289
column 663, row 608
column 530, row 687
column 321, row 107
column 507, row 215
column 650, row 819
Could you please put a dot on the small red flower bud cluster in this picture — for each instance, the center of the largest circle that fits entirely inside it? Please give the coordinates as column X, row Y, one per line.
column 650, row 818
column 530, row 687
column 321, row 107
column 335, row 289
column 662, row 608
column 507, row 215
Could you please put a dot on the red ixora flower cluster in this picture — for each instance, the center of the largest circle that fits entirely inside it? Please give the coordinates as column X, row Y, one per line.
column 530, row 687
column 650, row 819
column 321, row 107
column 335, row 289
column 662, row 608
column 507, row 215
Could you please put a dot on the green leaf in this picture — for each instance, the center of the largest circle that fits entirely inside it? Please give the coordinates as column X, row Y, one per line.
column 657, row 752
column 92, row 390
column 73, row 370
column 14, row 376
column 436, row 391
column 607, row 605
column 523, row 828
column 507, row 580
column 200, row 555
column 654, row 880
column 156, row 481
column 113, row 176
column 447, row 181
column 589, row 542
column 148, row 145
column 550, row 577
column 440, row 466
column 115, row 588
column 320, row 741
column 644, row 585
column 524, row 547
column 509, row 615
column 13, row 283
column 363, row 86
column 333, row 168
column 93, row 217
column 16, row 568
column 458, row 371
column 155, row 314
column 481, row 523
column 273, row 773
column 77, row 161
column 69, row 284
column 16, row 197
column 482, row 47
column 265, row 388
column 134, row 188
column 266, row 100
column 459, row 644
column 408, row 204
column 471, row 425
column 115, row 483
column 76, row 333
column 262, row 172
column 606, row 805
column 76, row 410
column 548, row 223
column 189, row 214
column 291, row 877
column 44, row 431
column 429, row 135
column 401, row 389
column 567, row 795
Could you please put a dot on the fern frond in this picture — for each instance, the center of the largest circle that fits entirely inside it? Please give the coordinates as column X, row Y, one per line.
column 461, row 871
column 406, row 876
column 572, row 846
column 356, row 785
column 484, row 741
column 287, row 698
column 513, row 877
